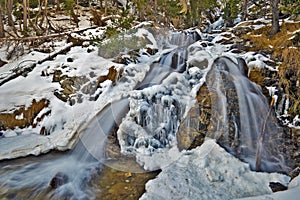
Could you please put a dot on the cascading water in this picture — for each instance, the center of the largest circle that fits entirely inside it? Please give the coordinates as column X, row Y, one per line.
column 149, row 128
column 70, row 174
column 241, row 118
column 157, row 107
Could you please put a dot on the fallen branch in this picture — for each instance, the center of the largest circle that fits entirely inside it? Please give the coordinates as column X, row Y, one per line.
column 45, row 37
column 261, row 138
column 19, row 70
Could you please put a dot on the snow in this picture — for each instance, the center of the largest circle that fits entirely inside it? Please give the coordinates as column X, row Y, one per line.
column 90, row 34
column 20, row 117
column 64, row 121
column 145, row 33
column 292, row 193
column 209, row 172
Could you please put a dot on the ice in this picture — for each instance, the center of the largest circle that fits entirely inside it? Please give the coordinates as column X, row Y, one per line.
column 209, row 172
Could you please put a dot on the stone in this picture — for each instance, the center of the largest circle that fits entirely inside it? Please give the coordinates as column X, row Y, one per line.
column 2, row 63
column 70, row 59
column 276, row 187
column 112, row 75
column 56, row 76
column 58, row 180
column 151, row 51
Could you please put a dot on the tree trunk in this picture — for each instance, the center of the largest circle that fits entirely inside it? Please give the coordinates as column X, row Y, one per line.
column 2, row 35
column 245, row 11
column 275, row 17
column 58, row 5
column 9, row 8
column 44, row 14
column 24, row 15
column 105, row 8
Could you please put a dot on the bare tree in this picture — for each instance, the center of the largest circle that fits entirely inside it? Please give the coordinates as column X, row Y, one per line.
column 105, row 8
column 58, row 8
column 245, row 10
column 24, row 15
column 275, row 17
column 2, row 34
column 9, row 7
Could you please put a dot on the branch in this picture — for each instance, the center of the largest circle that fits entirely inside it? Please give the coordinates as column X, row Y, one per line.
column 261, row 138
column 45, row 37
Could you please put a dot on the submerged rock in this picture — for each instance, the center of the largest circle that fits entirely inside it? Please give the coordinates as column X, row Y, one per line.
column 58, row 180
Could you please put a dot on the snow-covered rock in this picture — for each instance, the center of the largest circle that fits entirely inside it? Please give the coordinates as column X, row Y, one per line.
column 209, row 172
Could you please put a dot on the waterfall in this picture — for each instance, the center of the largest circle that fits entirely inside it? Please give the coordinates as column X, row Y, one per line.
column 157, row 107
column 148, row 119
column 241, row 118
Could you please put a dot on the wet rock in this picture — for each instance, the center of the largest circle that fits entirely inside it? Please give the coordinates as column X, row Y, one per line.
column 193, row 128
column 151, row 51
column 89, row 89
column 92, row 74
column 43, row 130
column 58, row 180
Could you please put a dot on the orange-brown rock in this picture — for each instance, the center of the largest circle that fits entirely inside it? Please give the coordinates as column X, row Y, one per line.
column 10, row 120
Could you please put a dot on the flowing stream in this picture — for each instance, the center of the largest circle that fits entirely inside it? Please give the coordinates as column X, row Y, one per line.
column 241, row 123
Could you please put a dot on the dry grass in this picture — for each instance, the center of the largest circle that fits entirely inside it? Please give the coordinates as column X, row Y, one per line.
column 285, row 51
column 262, row 40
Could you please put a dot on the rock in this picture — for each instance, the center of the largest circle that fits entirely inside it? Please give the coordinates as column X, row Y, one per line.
column 121, row 59
column 295, row 182
column 44, row 131
column 70, row 59
column 200, row 64
column 58, row 180
column 209, row 172
column 89, row 50
column 22, row 117
column 242, row 30
column 193, row 128
column 112, row 75
column 295, row 172
column 276, row 187
column 2, row 63
column 56, row 76
column 151, row 51
column 61, row 96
